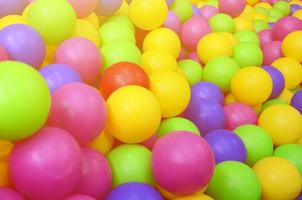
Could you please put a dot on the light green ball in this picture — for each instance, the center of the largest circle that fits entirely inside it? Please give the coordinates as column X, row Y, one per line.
column 192, row 70
column 283, row 7
column 262, row 10
column 248, row 54
column 273, row 102
column 260, row 25
column 183, row 9
column 275, row 15
column 247, row 36
column 222, row 23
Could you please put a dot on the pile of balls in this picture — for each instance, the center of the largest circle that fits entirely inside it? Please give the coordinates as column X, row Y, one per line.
column 150, row 99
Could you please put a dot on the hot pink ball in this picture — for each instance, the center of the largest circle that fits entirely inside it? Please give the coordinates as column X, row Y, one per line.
column 96, row 177
column 231, row 7
column 208, row 11
column 3, row 54
column 47, row 165
column 284, row 26
column 79, row 109
column 79, row 197
column 82, row 55
column 265, row 36
column 271, row 52
column 9, row 194
column 173, row 22
column 182, row 162
column 194, row 56
column 238, row 114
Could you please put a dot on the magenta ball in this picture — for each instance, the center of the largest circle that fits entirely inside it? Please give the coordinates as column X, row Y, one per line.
column 46, row 166
column 278, row 81
column 79, row 197
column 271, row 52
column 79, row 109
column 265, row 36
column 194, row 56
column 296, row 101
column 96, row 177
column 206, row 90
column 173, row 22
column 12, row 7
column 208, row 11
column 108, row 7
column 284, row 26
column 231, row 7
column 9, row 194
column 238, row 114
column 182, row 162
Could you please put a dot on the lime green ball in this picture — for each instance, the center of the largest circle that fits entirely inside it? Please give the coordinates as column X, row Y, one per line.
column 54, row 20
column 273, row 102
column 291, row 152
column 183, row 9
column 283, row 7
column 24, row 101
column 260, row 25
column 130, row 163
column 234, row 180
column 247, row 36
column 275, row 15
column 120, row 18
column 262, row 10
column 248, row 54
column 212, row 3
column 192, row 70
column 222, row 23
column 220, row 71
column 176, row 124
column 257, row 142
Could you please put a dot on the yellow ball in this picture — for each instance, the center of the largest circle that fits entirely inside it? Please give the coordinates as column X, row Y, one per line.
column 229, row 99
column 214, row 45
column 260, row 16
column 195, row 197
column 11, row 19
column 251, row 85
column 163, row 39
column 172, row 90
column 252, row 2
column 298, row 14
column 295, row 2
column 165, row 193
column 148, row 14
column 93, row 19
column 243, row 24
column 283, row 123
column 299, row 141
column 264, row 5
column 5, row 150
column 231, row 37
column 25, row 11
column 103, row 143
column 291, row 70
column 87, row 30
column 286, row 95
column 279, row 178
column 133, row 114
column 292, row 45
column 247, row 12
column 124, row 9
column 50, row 53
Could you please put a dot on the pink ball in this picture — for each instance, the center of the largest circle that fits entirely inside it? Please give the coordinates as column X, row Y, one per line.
column 194, row 56
column 173, row 22
column 238, row 114
column 46, row 166
column 182, row 162
column 83, row 7
column 79, row 197
column 284, row 26
column 96, row 177
column 79, row 109
column 82, row 55
column 182, row 54
column 208, row 11
column 231, row 7
column 3, row 54
column 9, row 194
column 271, row 52
column 265, row 36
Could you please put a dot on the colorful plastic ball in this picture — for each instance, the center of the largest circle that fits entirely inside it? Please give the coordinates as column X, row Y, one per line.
column 242, row 23
column 248, row 54
column 275, row 15
column 285, row 26
column 279, row 178
column 79, row 109
column 231, row 180
column 294, row 8
column 172, row 91
column 195, row 197
column 9, row 194
column 173, row 22
column 54, row 20
column 3, row 54
column 252, row 85
column 79, row 197
column 133, row 191
column 260, row 25
column 35, row 177
column 272, row 102
column 265, row 36
column 107, row 7
column 206, row 90
column 298, row 14
column 83, row 8
column 192, row 161
column 291, row 45
column 271, row 52
column 192, row 70
column 296, row 101
column 103, row 143
column 130, row 163
column 247, row 36
column 286, row 95
column 231, row 7
column 133, row 114
column 283, row 6
column 278, row 80
column 222, row 23
column 208, row 11
column 183, row 9
column 87, row 30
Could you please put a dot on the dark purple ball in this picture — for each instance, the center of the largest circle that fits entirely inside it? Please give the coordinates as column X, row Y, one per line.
column 278, row 81
column 297, row 101
column 206, row 90
column 299, row 197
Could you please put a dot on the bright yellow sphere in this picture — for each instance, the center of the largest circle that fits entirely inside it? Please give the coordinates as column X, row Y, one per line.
column 283, row 123
column 298, row 14
column 243, row 24
column 264, row 5
column 148, row 14
column 299, row 141
column 195, row 197
column 163, row 39
column 286, row 95
column 291, row 70
column 133, row 114
column 93, row 19
column 260, row 16
column 295, row 2
column 252, row 2
column 103, row 143
column 172, row 90
column 292, row 45
column 279, row 178
column 231, row 37
column 87, row 30
column 251, row 85
column 229, row 99
column 5, row 150
column 11, row 19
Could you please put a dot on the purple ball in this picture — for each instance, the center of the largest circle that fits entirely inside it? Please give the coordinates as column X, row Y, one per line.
column 207, row 114
column 226, row 146
column 297, row 101
column 12, row 7
column 206, row 90
column 57, row 75
column 278, row 80
column 23, row 44
column 299, row 197
column 9, row 194
column 294, row 8
column 134, row 191
column 196, row 10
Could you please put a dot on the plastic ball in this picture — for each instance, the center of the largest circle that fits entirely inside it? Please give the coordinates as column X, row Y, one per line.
column 127, row 107
column 283, row 6
column 271, row 52
column 107, row 7
column 231, row 180
column 278, row 80
column 192, row 70
column 265, row 36
column 192, row 153
column 222, row 23
column 195, row 197
column 285, row 26
column 9, row 194
column 79, row 197
column 286, row 95
column 173, row 22
column 79, row 109
column 275, row 15
column 296, row 101
column 247, row 36
column 294, row 8
column 242, row 24
column 208, row 11
column 183, row 9
column 248, row 54
column 260, row 25
column 298, row 14
column 83, row 8
column 206, row 90
column 103, row 143
column 12, row 19
column 279, row 178
column 231, row 7
column 291, row 45
column 12, row 7
column 3, row 54
column 87, row 30
column 273, row 102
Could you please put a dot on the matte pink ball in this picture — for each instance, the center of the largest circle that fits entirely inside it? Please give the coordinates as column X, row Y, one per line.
column 271, row 52
column 182, row 162
column 9, row 194
column 79, row 109
column 284, row 26
column 46, row 166
column 231, row 7
column 208, row 11
column 265, row 36
column 79, row 197
column 173, row 22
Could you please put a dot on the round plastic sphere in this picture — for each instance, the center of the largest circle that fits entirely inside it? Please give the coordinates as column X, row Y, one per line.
column 273, row 102
column 206, row 90
column 271, row 52
column 103, row 143
column 79, row 197
column 213, row 45
column 35, row 176
column 194, row 197
column 75, row 51
column 298, row 14
column 247, row 36
column 173, row 22
column 192, row 161
column 248, row 54
column 231, row 180
column 183, row 9
column 3, row 54
column 285, row 26
column 278, row 80
column 265, row 36
column 242, row 23
column 130, row 163
column 279, row 178
column 208, row 11
column 282, row 6
column 12, row 7
column 222, row 23
column 9, row 194
column 291, row 45
column 127, row 107
column 220, row 71
column 192, row 70
column 260, row 25
column 252, row 85
column 296, row 101
column 231, row 7
column 54, row 20
column 79, row 109
column 294, row 8
column 133, row 191
column 193, row 30
column 172, row 90
column 58, row 75
column 107, row 7
column 83, row 8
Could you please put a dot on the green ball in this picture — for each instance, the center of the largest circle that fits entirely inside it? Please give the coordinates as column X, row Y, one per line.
column 275, row 15
column 260, row 25
column 234, row 180
column 272, row 102
column 222, row 23
column 24, row 101
column 291, row 152
column 220, row 71
column 183, row 9
column 176, row 124
column 247, row 36
column 283, row 7
column 130, row 163
column 248, row 54
column 265, row 11
column 212, row 3
column 192, row 70
column 257, row 141
column 120, row 18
